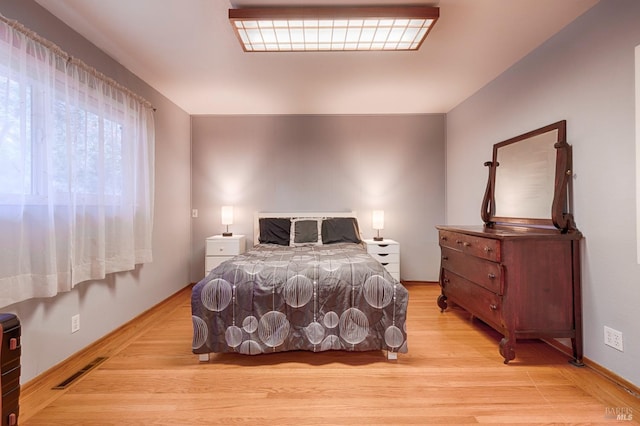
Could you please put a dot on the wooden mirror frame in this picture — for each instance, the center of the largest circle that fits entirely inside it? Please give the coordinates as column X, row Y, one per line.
column 560, row 216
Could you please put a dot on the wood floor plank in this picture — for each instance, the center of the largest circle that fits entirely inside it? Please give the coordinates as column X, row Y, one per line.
column 452, row 374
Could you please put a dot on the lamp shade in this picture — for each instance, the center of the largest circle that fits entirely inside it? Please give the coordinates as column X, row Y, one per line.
column 377, row 221
column 227, row 215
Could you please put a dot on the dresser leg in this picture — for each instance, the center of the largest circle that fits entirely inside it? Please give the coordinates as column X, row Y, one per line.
column 576, row 345
column 576, row 363
column 442, row 302
column 506, row 350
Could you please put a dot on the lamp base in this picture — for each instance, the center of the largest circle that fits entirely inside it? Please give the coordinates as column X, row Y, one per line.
column 378, row 238
column 227, row 234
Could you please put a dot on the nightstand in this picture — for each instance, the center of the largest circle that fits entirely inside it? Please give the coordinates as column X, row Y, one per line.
column 387, row 252
column 218, row 249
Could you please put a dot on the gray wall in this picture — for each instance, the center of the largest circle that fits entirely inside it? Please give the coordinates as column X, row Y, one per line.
column 105, row 305
column 270, row 163
column 584, row 75
column 323, row 163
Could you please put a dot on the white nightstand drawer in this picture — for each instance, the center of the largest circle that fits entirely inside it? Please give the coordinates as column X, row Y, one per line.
column 395, row 275
column 224, row 246
column 210, row 262
column 391, row 267
column 382, row 247
column 387, row 258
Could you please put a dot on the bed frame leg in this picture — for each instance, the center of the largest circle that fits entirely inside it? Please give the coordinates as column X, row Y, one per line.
column 392, row 355
column 203, row 357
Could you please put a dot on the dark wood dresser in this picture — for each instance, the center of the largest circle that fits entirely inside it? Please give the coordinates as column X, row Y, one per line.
column 10, row 351
column 520, row 271
column 524, row 283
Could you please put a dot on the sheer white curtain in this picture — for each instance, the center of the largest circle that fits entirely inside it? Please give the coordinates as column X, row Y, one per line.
column 76, row 171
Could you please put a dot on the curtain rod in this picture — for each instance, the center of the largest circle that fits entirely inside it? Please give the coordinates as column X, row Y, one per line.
column 55, row 49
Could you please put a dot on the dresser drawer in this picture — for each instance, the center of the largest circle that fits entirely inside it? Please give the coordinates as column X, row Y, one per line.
column 485, row 248
column 222, row 247
column 386, row 258
column 10, row 380
column 383, row 248
column 11, row 348
column 482, row 272
column 11, row 407
column 391, row 267
column 473, row 298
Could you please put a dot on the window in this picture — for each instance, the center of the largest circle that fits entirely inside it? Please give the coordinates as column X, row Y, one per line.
column 23, row 170
column 76, row 171
column 14, row 157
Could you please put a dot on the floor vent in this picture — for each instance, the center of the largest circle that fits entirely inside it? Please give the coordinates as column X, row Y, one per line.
column 75, row 376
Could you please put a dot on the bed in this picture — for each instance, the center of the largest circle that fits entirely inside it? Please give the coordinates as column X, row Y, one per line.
column 307, row 284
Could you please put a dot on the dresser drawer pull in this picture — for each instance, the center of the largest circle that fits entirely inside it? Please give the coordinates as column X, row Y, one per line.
column 445, row 257
column 383, row 254
column 384, row 263
column 492, row 275
column 443, row 238
column 446, row 280
column 458, row 241
column 466, row 244
column 488, row 249
column 493, row 306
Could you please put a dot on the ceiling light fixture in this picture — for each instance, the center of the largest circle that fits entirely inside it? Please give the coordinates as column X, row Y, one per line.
column 295, row 29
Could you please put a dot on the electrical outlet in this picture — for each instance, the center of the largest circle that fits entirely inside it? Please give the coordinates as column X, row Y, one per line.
column 613, row 338
column 75, row 323
column 194, row 212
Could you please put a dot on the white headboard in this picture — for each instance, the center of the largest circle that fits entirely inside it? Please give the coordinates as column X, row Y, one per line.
column 258, row 215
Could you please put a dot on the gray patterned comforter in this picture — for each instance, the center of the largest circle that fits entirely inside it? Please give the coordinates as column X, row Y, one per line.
column 314, row 298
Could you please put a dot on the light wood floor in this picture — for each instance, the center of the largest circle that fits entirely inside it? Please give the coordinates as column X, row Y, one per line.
column 452, row 374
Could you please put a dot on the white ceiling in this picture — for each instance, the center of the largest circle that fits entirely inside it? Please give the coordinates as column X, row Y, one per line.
column 187, row 51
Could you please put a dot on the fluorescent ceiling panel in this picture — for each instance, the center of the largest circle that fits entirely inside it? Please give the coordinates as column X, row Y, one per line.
column 290, row 29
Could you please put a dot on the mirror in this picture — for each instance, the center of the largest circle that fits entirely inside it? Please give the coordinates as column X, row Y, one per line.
column 525, row 177
column 529, row 180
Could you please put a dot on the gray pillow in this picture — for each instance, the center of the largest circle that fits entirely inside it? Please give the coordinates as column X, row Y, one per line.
column 305, row 232
column 275, row 230
column 340, row 230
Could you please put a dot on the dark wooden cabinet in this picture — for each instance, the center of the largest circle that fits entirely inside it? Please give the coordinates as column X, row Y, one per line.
column 523, row 283
column 520, row 271
column 10, row 351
